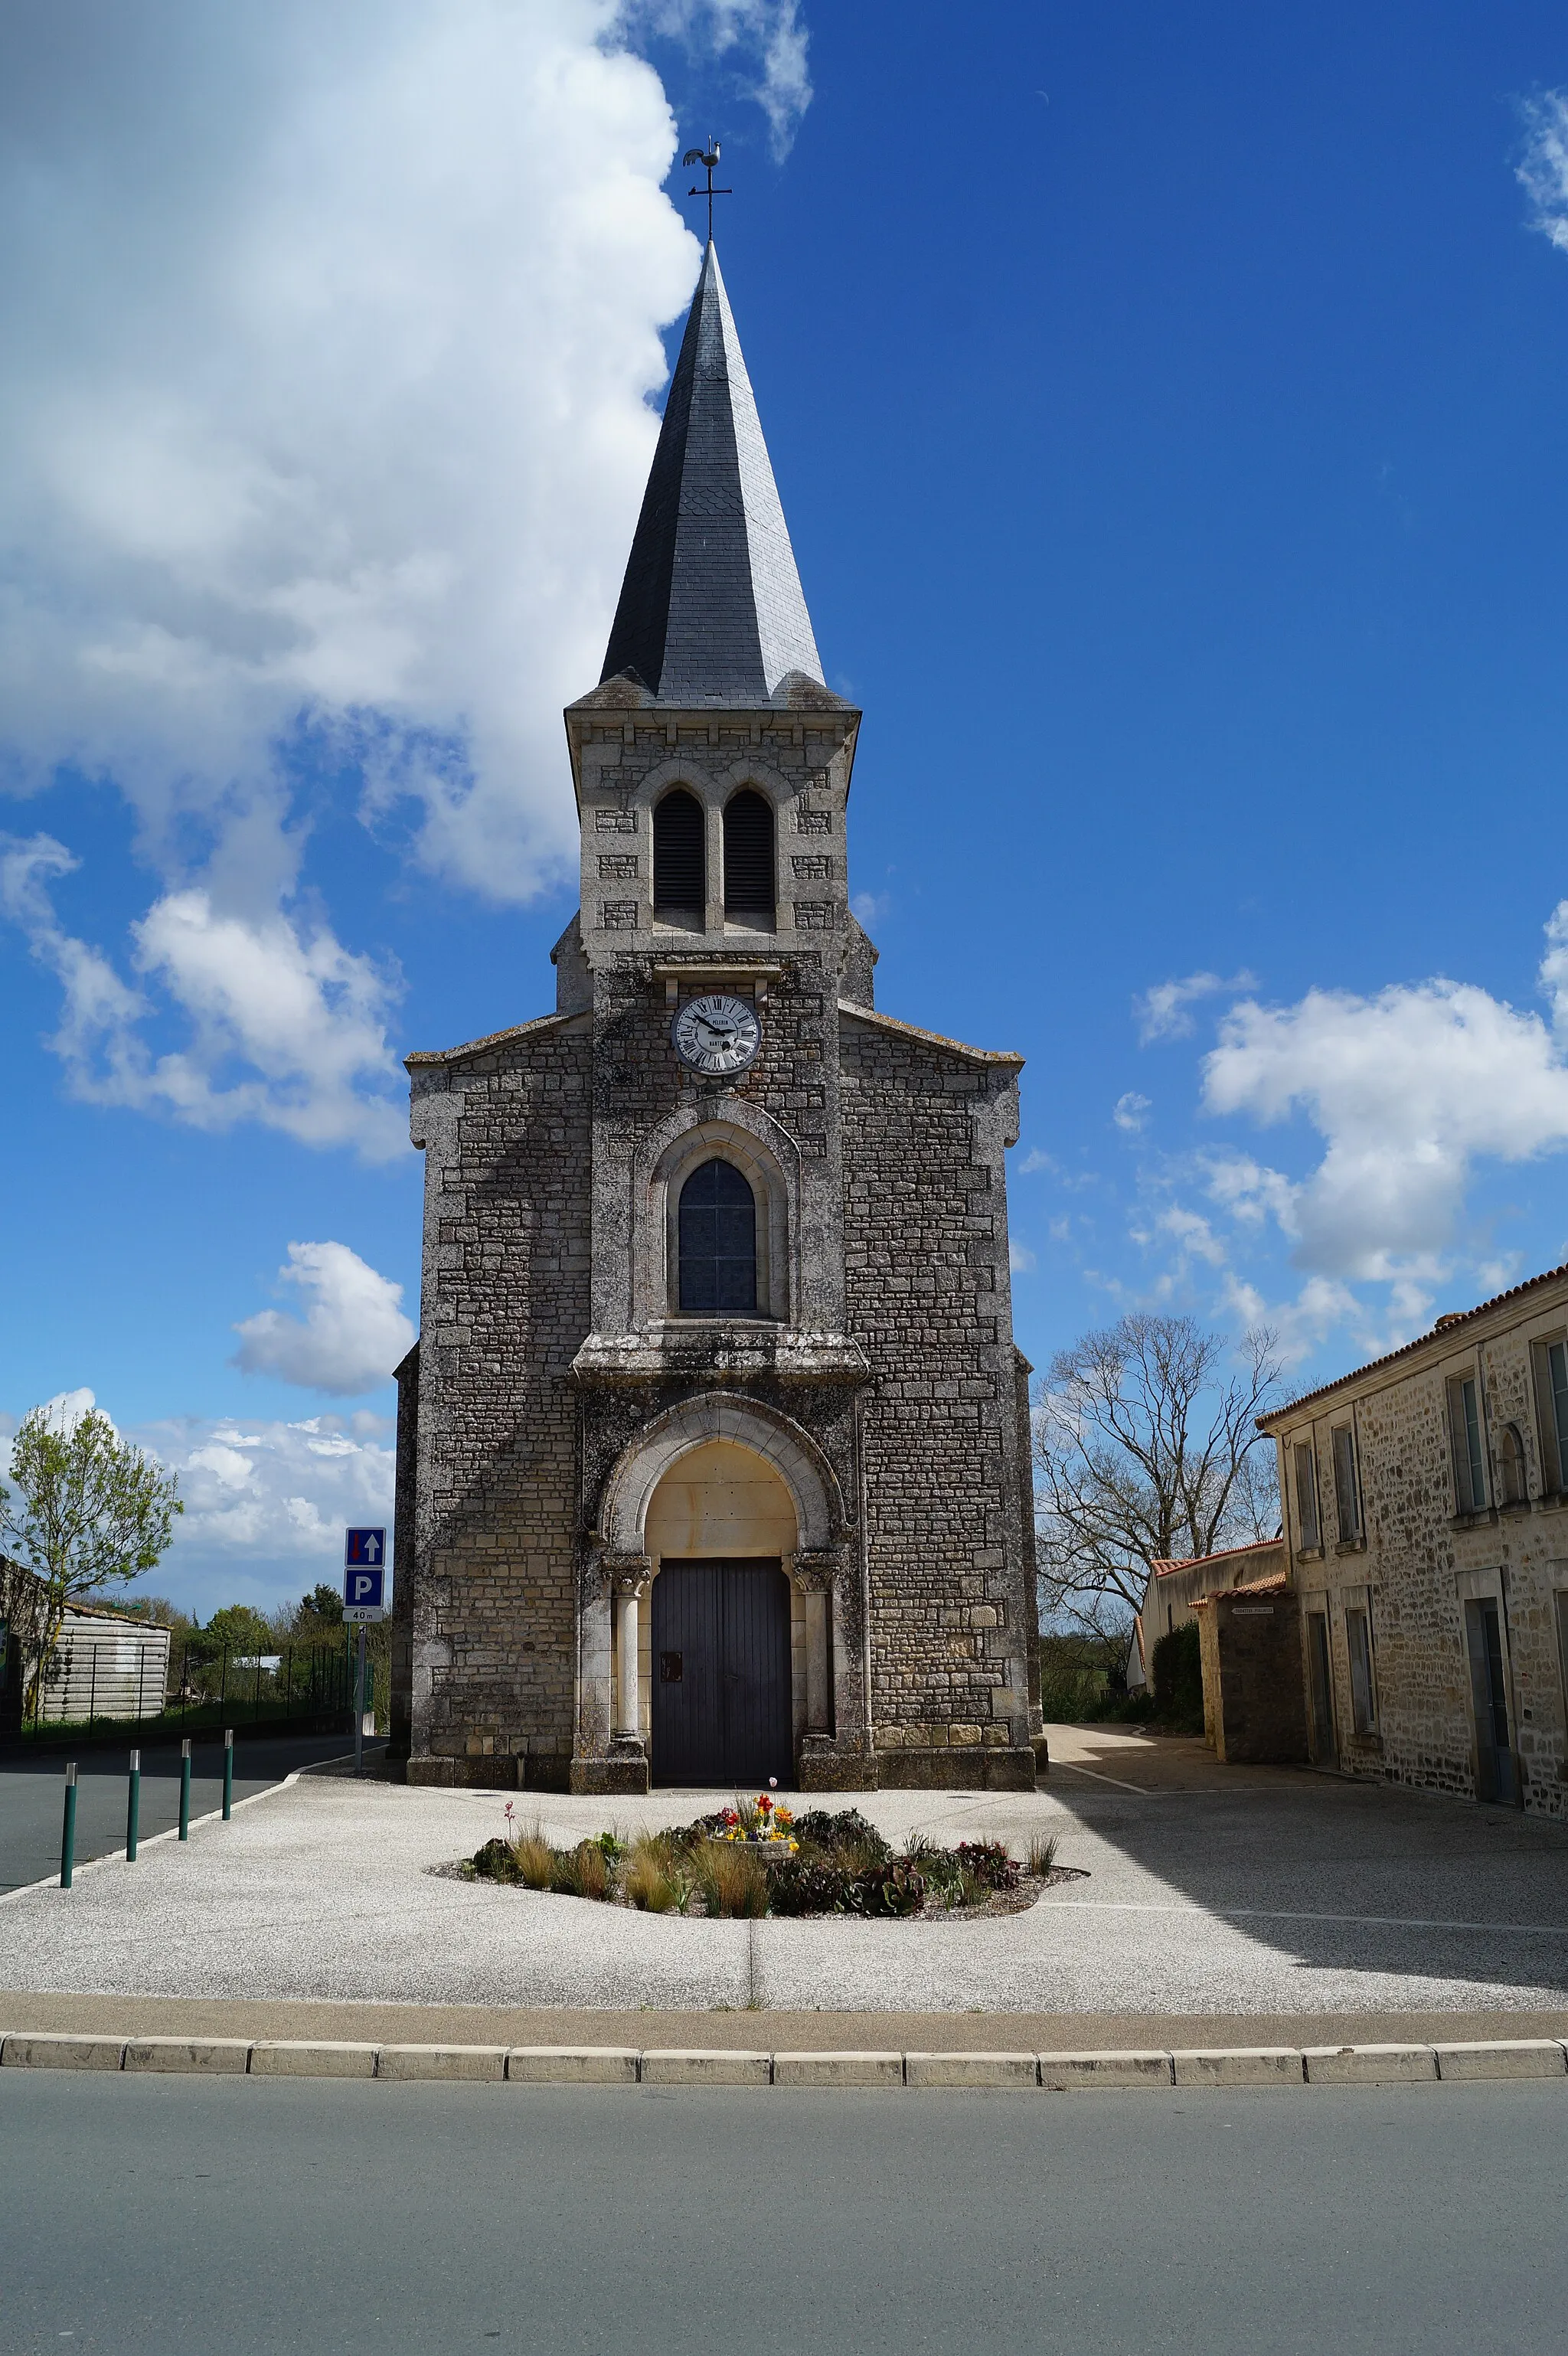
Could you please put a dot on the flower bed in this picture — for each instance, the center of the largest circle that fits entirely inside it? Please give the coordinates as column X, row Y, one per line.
column 758, row 1858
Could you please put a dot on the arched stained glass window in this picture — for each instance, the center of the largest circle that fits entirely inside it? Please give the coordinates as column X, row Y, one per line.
column 717, row 1234
column 680, row 864
column 749, row 858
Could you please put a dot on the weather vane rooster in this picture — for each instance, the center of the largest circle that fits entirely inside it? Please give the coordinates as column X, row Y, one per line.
column 709, row 158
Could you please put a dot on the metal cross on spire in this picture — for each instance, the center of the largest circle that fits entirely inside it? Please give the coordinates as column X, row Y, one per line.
column 709, row 158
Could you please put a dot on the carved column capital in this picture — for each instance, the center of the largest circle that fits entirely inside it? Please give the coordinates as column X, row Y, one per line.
column 626, row 1574
column 815, row 1568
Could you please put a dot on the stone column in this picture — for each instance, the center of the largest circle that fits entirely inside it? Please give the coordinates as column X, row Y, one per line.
column 628, row 1718
column 813, row 1577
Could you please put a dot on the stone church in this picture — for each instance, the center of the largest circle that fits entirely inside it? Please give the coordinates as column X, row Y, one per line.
column 713, row 1452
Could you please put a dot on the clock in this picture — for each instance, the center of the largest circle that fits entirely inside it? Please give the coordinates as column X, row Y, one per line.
column 717, row 1036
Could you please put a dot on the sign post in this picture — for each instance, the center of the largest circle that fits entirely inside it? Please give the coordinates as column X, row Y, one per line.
column 364, row 1600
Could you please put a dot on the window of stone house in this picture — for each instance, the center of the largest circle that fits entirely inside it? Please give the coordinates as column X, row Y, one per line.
column 1561, row 1600
column 1308, row 1520
column 1512, row 1477
column 750, row 863
column 1551, row 1397
column 680, row 860
column 1347, row 1499
column 1363, row 1693
column 717, row 1234
column 1470, row 1457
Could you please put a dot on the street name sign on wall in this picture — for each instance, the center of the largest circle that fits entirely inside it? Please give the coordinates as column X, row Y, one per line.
column 364, row 1576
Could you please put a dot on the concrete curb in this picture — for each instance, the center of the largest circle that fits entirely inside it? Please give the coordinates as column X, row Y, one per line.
column 625, row 2065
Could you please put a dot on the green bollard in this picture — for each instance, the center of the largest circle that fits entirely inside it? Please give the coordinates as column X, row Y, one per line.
column 133, row 1807
column 67, row 1831
column 185, row 1789
column 228, row 1772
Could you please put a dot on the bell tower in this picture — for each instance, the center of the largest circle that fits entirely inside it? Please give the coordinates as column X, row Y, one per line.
column 711, row 765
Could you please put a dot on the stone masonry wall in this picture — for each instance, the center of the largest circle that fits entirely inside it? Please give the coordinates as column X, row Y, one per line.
column 927, row 1296
column 506, row 1304
column 1420, row 1555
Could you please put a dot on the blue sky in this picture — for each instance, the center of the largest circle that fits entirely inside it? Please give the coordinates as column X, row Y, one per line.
column 1168, row 407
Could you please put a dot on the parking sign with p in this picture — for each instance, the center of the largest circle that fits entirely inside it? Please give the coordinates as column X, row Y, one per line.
column 364, row 1575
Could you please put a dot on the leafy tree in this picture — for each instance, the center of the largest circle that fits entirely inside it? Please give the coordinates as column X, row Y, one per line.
column 239, row 1630
column 1147, row 1448
column 318, row 1611
column 90, row 1511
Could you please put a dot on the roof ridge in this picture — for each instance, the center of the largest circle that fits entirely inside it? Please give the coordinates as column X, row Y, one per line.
column 1462, row 1317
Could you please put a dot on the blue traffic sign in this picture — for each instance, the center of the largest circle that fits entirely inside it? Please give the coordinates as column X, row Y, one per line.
column 365, row 1545
column 363, row 1591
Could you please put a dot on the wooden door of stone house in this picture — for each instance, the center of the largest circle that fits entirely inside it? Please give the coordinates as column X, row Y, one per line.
column 1325, row 1750
column 1497, row 1776
column 721, row 1685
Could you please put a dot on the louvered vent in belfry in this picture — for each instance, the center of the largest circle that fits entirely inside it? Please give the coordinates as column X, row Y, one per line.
column 749, row 858
column 679, row 866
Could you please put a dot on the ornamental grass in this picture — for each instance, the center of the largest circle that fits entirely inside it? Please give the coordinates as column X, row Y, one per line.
column 753, row 1860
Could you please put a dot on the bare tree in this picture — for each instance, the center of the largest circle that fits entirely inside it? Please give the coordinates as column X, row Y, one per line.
column 1146, row 1449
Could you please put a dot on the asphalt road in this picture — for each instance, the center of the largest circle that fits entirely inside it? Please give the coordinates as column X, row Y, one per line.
column 262, row 2218
column 32, row 1793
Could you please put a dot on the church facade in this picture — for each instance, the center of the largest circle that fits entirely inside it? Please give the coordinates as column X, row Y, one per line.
column 713, row 1453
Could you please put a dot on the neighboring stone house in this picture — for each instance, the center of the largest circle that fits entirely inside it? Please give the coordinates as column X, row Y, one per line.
column 713, row 1453
column 1426, row 1515
column 1177, row 1585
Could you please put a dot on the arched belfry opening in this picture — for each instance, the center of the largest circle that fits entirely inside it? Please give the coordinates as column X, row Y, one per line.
column 681, row 860
column 718, row 1671
column 748, row 860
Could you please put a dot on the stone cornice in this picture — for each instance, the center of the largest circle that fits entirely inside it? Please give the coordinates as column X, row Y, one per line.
column 877, row 1022
column 721, row 1351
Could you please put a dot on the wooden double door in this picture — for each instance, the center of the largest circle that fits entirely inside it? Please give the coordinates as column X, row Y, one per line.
column 720, row 1686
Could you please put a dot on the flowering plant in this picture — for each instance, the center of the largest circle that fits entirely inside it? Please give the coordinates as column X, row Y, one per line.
column 759, row 1820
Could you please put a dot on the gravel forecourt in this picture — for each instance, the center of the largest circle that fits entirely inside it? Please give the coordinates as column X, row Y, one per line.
column 1209, row 1891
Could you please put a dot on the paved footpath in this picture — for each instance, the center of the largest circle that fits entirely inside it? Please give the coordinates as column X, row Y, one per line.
column 274, row 2218
column 1274, row 1894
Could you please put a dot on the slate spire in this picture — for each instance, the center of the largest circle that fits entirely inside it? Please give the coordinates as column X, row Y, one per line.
column 712, row 610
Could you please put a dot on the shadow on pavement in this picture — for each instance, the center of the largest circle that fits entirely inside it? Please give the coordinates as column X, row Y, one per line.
column 1339, row 1875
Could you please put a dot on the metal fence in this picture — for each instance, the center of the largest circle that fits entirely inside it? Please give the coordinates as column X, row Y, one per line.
column 93, row 1679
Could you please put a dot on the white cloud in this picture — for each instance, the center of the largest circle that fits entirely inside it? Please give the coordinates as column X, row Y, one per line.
column 1162, row 1011
column 1320, row 1308
column 266, row 1503
column 1251, row 1192
column 352, row 1332
column 1409, row 1089
column 330, row 334
column 1131, row 1111
column 1035, row 1159
column 284, row 1028
column 323, row 407
column 1021, row 1260
column 769, row 34
column 1543, row 170
column 870, row 908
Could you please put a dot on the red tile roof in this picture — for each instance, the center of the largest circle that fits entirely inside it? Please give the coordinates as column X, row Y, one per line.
column 1164, row 1564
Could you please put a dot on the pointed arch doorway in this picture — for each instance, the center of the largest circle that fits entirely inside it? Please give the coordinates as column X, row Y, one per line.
column 720, row 1524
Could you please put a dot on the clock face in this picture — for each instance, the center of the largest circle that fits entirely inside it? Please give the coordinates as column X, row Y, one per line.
column 716, row 1035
